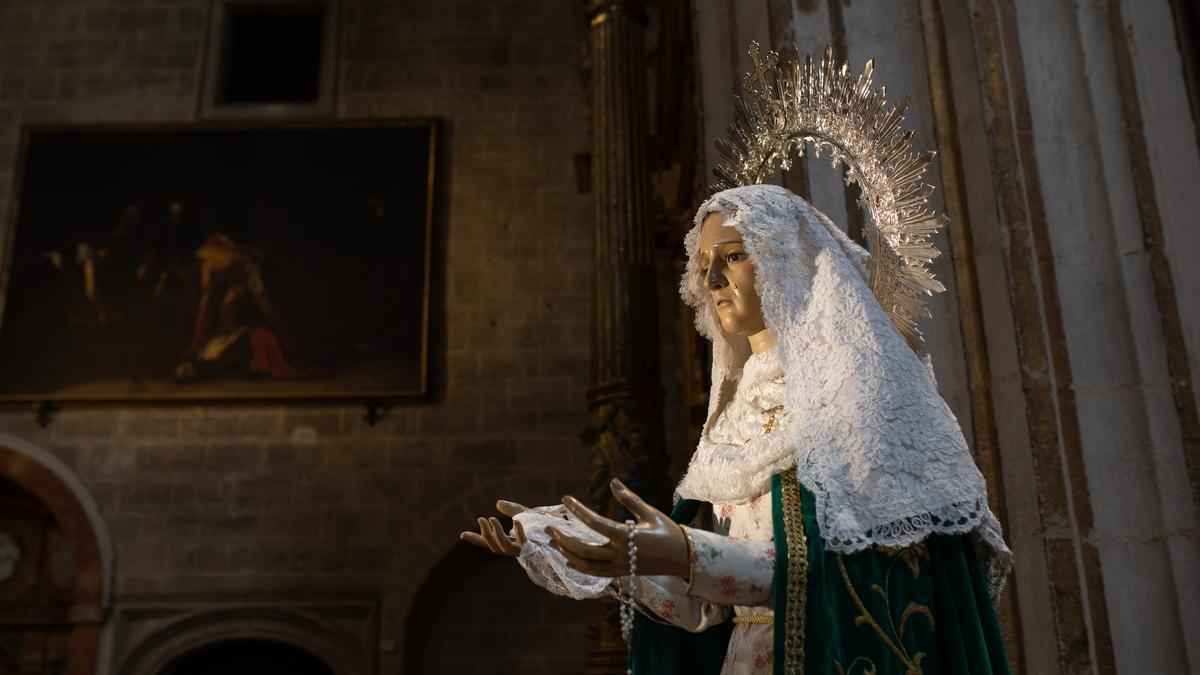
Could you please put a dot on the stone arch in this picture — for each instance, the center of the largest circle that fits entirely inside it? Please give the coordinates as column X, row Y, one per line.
column 451, row 570
column 58, row 489
column 439, row 531
column 304, row 631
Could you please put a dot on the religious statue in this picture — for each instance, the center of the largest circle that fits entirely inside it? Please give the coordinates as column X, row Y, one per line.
column 831, row 520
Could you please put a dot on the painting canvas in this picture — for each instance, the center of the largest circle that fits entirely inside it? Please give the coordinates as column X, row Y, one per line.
column 219, row 263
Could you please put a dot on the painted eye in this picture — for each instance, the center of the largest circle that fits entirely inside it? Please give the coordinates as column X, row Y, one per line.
column 736, row 256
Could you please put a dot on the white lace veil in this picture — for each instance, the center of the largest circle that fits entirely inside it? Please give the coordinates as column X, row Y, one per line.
column 875, row 443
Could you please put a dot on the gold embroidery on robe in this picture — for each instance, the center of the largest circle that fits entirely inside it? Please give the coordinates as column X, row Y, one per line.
column 893, row 637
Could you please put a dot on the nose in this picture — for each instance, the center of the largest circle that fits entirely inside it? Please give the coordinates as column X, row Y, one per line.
column 714, row 279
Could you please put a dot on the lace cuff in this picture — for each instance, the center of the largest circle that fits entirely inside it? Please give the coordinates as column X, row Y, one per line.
column 547, row 567
column 661, row 598
column 732, row 571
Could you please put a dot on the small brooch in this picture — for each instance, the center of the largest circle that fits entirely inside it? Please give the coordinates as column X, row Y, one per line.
column 772, row 418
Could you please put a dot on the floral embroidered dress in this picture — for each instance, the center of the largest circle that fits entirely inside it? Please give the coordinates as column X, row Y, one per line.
column 732, row 574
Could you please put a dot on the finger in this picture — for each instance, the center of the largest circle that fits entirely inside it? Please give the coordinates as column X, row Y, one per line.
column 606, row 527
column 495, row 535
column 629, row 499
column 485, row 529
column 502, row 537
column 519, row 531
column 595, row 550
column 484, row 533
column 601, row 552
column 474, row 538
column 597, row 568
column 509, row 509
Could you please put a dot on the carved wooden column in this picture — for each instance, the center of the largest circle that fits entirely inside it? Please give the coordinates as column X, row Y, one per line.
column 625, row 402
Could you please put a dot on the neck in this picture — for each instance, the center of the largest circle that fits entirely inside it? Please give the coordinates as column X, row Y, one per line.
column 761, row 341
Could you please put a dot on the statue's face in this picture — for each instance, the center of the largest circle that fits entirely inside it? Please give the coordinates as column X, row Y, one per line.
column 729, row 277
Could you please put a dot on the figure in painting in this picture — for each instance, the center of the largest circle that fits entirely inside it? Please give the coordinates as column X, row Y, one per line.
column 237, row 324
column 169, row 272
column 102, row 265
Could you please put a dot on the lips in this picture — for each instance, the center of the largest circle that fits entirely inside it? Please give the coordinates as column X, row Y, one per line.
column 724, row 301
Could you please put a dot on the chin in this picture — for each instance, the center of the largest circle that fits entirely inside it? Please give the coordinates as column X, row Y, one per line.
column 734, row 328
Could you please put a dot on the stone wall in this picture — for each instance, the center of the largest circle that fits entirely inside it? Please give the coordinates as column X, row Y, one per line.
column 273, row 498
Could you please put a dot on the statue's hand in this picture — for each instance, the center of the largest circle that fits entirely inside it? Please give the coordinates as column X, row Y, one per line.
column 661, row 545
column 491, row 534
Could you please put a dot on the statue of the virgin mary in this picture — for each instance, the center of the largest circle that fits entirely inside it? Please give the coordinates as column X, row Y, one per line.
column 831, row 520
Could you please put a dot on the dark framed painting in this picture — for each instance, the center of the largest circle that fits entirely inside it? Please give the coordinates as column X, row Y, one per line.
column 219, row 262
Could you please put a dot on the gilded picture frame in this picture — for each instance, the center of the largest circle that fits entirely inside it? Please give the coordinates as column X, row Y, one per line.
column 219, row 261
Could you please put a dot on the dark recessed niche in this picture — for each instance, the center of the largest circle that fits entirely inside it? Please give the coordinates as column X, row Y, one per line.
column 247, row 656
column 271, row 53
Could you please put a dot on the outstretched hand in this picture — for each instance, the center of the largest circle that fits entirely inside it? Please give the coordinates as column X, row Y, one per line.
column 661, row 544
column 491, row 534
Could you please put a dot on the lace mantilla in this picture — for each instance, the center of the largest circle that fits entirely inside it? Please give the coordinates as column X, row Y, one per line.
column 877, row 446
column 735, row 459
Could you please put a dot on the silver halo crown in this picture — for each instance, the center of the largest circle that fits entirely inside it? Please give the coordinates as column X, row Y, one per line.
column 788, row 104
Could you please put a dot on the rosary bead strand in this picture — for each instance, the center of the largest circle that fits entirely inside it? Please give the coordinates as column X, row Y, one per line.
column 627, row 598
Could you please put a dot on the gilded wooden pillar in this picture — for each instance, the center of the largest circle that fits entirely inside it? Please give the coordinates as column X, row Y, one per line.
column 625, row 402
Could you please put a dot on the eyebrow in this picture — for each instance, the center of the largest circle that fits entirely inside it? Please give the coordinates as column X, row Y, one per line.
column 703, row 254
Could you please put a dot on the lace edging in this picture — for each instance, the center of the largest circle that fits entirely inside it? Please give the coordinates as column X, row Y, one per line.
column 972, row 518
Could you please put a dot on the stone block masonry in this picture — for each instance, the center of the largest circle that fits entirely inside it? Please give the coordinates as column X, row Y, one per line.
column 283, row 498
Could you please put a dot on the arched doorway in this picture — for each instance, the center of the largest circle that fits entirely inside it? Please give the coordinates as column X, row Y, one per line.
column 36, row 583
column 247, row 657
column 235, row 636
column 55, row 562
column 478, row 612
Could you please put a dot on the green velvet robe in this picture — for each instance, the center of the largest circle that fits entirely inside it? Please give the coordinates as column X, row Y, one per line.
column 921, row 610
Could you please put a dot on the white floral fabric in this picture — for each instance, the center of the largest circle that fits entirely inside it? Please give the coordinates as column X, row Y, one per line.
column 739, row 569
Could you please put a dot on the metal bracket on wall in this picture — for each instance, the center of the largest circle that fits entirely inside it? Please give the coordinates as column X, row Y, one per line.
column 376, row 410
column 43, row 413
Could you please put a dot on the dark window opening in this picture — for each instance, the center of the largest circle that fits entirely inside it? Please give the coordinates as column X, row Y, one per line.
column 272, row 53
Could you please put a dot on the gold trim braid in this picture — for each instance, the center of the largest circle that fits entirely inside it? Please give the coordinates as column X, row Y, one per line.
column 754, row 618
column 691, row 554
column 797, row 573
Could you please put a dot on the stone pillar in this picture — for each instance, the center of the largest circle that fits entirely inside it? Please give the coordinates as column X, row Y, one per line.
column 625, row 401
